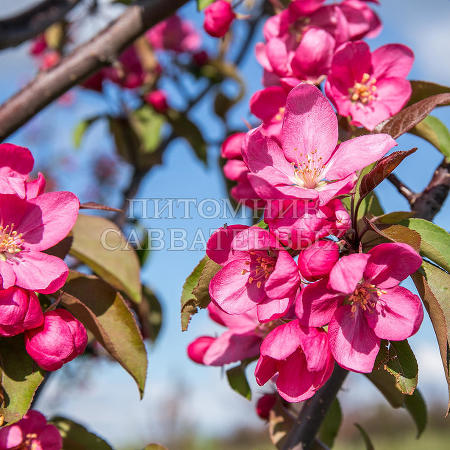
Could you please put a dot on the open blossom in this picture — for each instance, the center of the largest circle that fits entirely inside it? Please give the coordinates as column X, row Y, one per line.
column 241, row 341
column 174, row 34
column 299, row 356
column 370, row 87
column 60, row 339
column 27, row 228
column 362, row 302
column 219, row 16
column 20, row 310
column 257, row 272
column 31, row 432
column 309, row 164
column 362, row 22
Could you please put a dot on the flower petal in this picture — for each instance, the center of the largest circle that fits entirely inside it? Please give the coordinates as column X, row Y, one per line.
column 285, row 278
column 392, row 60
column 283, row 341
column 266, row 368
column 219, row 247
column 272, row 309
column 348, row 272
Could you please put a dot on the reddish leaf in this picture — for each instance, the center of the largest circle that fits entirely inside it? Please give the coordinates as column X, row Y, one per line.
column 99, row 207
column 381, row 171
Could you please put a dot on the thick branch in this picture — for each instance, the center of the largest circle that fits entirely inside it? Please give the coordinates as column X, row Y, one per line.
column 33, row 21
column 83, row 62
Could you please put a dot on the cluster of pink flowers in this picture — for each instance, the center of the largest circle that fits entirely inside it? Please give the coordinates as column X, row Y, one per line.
column 294, row 295
column 31, row 222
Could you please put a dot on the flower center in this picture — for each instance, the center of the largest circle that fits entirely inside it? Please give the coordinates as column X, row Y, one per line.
column 365, row 297
column 260, row 268
column 307, row 172
column 364, row 92
column 10, row 241
column 280, row 114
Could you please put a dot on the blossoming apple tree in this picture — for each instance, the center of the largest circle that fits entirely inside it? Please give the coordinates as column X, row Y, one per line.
column 306, row 293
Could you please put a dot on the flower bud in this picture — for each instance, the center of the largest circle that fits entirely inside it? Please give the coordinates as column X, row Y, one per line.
column 57, row 341
column 158, row 99
column 232, row 146
column 20, row 310
column 318, row 259
column 218, row 18
column 196, row 349
column 265, row 404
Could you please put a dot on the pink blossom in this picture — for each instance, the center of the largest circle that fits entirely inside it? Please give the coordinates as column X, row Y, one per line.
column 20, row 310
column 265, row 404
column 158, row 99
column 308, row 164
column 362, row 22
column 301, row 358
column 232, row 146
column 60, row 339
column 27, row 228
column 218, row 18
column 31, row 432
column 174, row 34
column 362, row 302
column 317, row 260
column 370, row 87
column 130, row 74
column 305, row 7
column 257, row 272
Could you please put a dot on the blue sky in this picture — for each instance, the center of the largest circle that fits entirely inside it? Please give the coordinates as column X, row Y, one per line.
column 106, row 399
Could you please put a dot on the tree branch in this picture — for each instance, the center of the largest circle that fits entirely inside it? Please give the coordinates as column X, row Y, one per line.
column 402, row 188
column 83, row 62
column 28, row 24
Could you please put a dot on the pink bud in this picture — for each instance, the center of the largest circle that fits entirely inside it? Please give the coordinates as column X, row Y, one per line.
column 158, row 99
column 318, row 259
column 232, row 146
column 19, row 311
column 218, row 18
column 49, row 60
column 38, row 45
column 264, row 405
column 57, row 341
column 196, row 349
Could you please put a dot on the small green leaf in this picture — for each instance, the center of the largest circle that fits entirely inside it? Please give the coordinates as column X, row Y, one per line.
column 436, row 133
column 19, row 378
column 425, row 89
column 104, row 312
column 331, row 424
column 150, row 314
column 147, row 124
column 365, row 436
column 100, row 244
column 81, row 128
column 77, row 437
column 415, row 404
column 403, row 366
column 238, row 381
column 202, row 4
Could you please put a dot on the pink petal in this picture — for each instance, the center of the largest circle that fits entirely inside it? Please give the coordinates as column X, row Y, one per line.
column 397, row 316
column 348, row 272
column 219, row 248
column 261, row 56
column 7, row 275
column 278, row 57
column 254, row 238
column 50, row 438
column 394, row 93
column 392, row 60
column 316, row 349
column 234, row 169
column 272, row 309
column 36, row 187
column 283, row 341
column 266, row 368
column 266, row 104
column 16, row 159
column 369, row 116
column 307, row 110
column 285, row 278
column 391, row 263
column 240, row 323
column 352, row 342
column 11, row 437
column 34, row 315
column 232, row 146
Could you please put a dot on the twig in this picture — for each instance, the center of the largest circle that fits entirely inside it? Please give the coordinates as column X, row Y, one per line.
column 402, row 188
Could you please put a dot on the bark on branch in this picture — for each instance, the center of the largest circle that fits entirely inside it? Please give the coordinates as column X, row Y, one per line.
column 83, row 62
column 28, row 24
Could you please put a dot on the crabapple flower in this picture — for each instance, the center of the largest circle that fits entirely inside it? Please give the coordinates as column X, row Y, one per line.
column 370, row 87
column 131, row 73
column 257, row 272
column 301, row 358
column 362, row 22
column 158, row 99
column 27, row 228
column 31, row 432
column 15, row 165
column 308, row 164
column 265, row 404
column 60, row 339
column 317, row 260
column 20, row 310
column 218, row 18
column 241, row 341
column 362, row 303
column 174, row 34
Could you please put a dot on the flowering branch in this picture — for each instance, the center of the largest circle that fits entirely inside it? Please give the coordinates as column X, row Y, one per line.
column 33, row 21
column 100, row 51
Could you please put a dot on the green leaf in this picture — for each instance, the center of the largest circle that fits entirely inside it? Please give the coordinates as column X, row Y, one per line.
column 370, row 206
column 99, row 243
column 390, row 233
column 403, row 366
column 365, row 436
column 435, row 241
column 415, row 404
column 104, row 312
column 436, row 133
column 81, row 128
column 331, row 424
column 238, row 381
column 433, row 285
column 147, row 124
column 77, row 437
column 125, row 138
column 425, row 89
column 195, row 293
column 150, row 314
column 202, row 4
column 19, row 379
